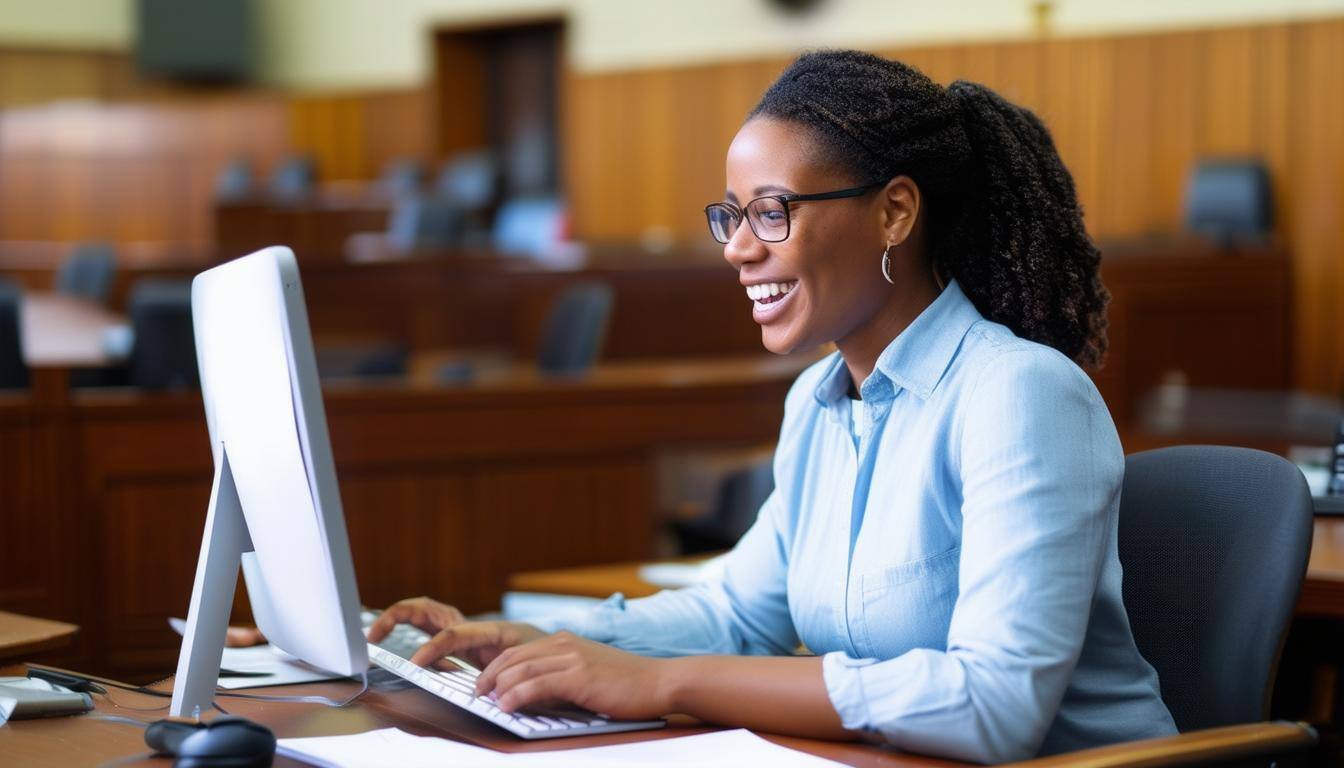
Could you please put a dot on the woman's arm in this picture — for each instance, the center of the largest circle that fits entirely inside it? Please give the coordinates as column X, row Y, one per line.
column 776, row 694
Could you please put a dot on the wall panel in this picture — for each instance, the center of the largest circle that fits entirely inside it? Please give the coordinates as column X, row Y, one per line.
column 1131, row 115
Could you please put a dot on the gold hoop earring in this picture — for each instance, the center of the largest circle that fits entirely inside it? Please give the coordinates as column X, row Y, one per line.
column 886, row 263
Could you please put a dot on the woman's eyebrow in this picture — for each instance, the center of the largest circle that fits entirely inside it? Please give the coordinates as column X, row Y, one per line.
column 768, row 188
column 730, row 197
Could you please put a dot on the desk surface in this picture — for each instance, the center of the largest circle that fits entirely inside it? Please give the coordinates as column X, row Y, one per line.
column 84, row 741
column 1322, row 592
column 65, row 331
column 24, row 635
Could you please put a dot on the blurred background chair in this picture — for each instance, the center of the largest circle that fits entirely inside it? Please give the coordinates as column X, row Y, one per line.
column 294, row 178
column 402, row 178
column 163, row 355
column 88, row 272
column 424, row 222
column 529, row 226
column 470, row 182
column 235, row 182
column 575, row 329
column 740, row 496
column 1229, row 201
column 13, row 370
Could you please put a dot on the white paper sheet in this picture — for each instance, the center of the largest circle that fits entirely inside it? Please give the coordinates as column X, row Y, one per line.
column 676, row 575
column 390, row 746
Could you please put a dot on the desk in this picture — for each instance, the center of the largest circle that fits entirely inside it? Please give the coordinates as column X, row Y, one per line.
column 22, row 636
column 75, row 741
column 1322, row 592
column 60, row 333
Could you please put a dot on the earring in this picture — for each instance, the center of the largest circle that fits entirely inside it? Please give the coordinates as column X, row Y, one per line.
column 886, row 263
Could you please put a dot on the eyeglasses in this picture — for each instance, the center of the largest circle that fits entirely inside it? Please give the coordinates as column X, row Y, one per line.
column 768, row 216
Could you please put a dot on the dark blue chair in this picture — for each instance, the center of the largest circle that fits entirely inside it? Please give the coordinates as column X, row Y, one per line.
column 1230, row 201
column 235, row 181
column 423, row 222
column 88, row 272
column 164, row 353
column 575, row 329
column 13, row 369
column 402, row 178
column 1214, row 541
column 740, row 497
column 294, row 178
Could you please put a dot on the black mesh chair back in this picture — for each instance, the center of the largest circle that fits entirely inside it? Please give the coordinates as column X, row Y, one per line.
column 164, row 353
column 88, row 272
column 1214, row 542
column 13, row 370
column 576, row 329
column 1229, row 201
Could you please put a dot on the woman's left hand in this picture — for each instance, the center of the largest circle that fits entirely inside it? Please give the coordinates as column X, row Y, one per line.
column 566, row 667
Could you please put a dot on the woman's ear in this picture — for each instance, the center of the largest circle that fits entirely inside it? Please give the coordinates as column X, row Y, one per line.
column 900, row 209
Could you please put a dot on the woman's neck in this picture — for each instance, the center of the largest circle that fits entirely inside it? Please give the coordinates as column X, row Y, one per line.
column 861, row 348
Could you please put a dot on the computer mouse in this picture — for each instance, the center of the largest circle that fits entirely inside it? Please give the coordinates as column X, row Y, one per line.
column 225, row 742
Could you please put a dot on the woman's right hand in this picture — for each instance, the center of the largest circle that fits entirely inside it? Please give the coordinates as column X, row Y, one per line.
column 477, row 641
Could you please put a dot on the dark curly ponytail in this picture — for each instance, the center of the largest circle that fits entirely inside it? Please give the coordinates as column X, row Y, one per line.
column 1003, row 216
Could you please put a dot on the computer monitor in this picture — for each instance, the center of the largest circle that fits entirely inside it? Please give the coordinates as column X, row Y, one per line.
column 275, row 508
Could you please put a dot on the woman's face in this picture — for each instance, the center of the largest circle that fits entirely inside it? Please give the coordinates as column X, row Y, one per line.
column 828, row 268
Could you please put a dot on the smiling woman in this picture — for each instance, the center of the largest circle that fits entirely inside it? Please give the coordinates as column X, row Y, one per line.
column 943, row 531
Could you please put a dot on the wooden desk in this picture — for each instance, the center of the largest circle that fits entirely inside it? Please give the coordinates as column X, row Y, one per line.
column 80, row 741
column 60, row 333
column 22, row 636
column 1322, row 592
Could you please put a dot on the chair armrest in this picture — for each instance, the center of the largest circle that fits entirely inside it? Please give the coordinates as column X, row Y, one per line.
column 1209, row 746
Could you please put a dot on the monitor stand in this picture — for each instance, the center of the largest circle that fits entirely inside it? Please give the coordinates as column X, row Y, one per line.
column 226, row 539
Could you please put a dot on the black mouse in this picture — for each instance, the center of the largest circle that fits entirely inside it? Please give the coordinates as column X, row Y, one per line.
column 225, row 742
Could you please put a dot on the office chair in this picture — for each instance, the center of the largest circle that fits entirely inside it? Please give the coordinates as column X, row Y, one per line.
column 529, row 226
column 13, row 369
column 1214, row 542
column 1229, row 201
column 740, row 496
column 88, row 272
column 294, row 178
column 423, row 222
column 164, row 352
column 402, row 178
column 575, row 329
column 235, row 181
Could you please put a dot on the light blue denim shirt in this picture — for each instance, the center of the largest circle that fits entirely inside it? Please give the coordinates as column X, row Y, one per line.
column 955, row 565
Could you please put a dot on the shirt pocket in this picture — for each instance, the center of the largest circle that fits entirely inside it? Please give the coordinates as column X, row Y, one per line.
column 909, row 605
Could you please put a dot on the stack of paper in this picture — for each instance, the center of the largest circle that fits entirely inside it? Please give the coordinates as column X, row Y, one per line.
column 390, row 746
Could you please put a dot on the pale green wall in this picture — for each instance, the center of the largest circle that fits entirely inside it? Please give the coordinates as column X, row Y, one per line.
column 374, row 43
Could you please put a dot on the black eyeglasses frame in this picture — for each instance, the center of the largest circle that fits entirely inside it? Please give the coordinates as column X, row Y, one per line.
column 740, row 213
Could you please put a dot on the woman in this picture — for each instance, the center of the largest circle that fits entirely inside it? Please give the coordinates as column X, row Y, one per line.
column 943, row 530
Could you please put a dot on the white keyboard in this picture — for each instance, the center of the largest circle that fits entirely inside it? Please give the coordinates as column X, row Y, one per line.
column 459, row 688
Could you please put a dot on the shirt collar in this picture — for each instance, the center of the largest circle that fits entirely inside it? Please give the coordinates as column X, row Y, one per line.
column 916, row 359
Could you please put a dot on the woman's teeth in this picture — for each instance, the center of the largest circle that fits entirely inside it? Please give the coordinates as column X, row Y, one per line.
column 769, row 293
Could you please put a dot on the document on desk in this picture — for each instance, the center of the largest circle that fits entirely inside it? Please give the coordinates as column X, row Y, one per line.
column 391, row 746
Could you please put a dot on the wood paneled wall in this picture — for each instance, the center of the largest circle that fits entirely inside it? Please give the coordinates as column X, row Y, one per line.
column 1130, row 115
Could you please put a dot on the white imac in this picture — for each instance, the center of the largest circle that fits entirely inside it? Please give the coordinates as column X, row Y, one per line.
column 275, row 507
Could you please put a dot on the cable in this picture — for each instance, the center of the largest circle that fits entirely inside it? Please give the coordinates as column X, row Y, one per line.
column 147, row 691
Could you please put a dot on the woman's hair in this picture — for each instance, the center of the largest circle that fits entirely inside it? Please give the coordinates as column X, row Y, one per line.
column 1002, row 214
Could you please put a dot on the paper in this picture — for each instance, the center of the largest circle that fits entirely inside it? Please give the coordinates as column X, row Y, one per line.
column 280, row 669
column 674, row 575
column 7, row 706
column 390, row 746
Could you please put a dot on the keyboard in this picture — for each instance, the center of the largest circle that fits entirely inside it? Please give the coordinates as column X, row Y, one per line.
column 458, row 687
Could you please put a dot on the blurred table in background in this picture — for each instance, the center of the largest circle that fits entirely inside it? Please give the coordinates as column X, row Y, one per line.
column 64, row 333
column 24, row 636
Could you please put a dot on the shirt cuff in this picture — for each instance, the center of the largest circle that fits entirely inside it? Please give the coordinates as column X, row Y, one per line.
column 844, row 685
column 594, row 623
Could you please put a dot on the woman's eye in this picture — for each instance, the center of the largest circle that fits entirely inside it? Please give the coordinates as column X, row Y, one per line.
column 773, row 217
